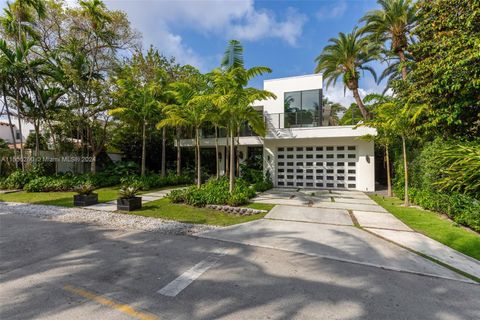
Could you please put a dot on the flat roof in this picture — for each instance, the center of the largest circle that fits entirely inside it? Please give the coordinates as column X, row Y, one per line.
column 295, row 77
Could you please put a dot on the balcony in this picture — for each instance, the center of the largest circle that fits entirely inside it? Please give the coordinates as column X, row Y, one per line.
column 299, row 119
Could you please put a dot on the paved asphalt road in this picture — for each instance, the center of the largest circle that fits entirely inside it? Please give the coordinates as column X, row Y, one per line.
column 52, row 270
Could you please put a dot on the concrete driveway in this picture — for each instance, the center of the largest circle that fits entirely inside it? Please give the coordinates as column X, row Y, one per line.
column 57, row 270
column 345, row 226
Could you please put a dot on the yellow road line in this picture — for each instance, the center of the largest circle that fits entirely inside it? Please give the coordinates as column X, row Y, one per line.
column 109, row 303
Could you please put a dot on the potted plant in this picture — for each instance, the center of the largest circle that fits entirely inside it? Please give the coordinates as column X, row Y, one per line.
column 128, row 200
column 85, row 195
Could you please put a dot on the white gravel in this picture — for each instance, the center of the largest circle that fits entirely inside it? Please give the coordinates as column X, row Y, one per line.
column 105, row 219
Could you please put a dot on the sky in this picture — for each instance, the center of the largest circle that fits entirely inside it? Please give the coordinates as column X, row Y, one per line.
column 284, row 35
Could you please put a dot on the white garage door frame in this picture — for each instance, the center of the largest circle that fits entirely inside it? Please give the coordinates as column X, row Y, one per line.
column 321, row 166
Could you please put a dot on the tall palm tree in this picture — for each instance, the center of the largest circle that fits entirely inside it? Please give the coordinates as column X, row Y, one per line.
column 346, row 56
column 188, row 111
column 137, row 103
column 235, row 101
column 392, row 24
column 17, row 67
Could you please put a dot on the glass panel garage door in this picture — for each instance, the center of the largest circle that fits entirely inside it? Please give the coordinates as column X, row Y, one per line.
column 317, row 167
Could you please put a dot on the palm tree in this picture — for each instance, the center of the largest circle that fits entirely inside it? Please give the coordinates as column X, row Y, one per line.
column 190, row 110
column 393, row 23
column 383, row 122
column 16, row 66
column 346, row 56
column 334, row 109
column 235, row 101
column 137, row 103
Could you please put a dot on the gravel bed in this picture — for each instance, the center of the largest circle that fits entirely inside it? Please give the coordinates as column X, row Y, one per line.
column 105, row 219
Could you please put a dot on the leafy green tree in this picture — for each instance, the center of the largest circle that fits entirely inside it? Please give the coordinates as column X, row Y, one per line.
column 188, row 111
column 17, row 67
column 383, row 121
column 138, row 98
column 443, row 86
column 345, row 57
column 392, row 24
column 352, row 115
column 235, row 99
column 36, row 141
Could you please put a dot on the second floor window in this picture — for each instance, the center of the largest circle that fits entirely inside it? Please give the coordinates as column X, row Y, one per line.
column 303, row 108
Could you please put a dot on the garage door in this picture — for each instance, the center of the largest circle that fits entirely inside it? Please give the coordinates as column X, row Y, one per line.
column 317, row 167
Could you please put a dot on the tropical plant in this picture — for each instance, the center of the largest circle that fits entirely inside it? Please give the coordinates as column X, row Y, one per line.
column 460, row 168
column 234, row 99
column 138, row 98
column 188, row 111
column 346, row 56
column 443, row 85
column 128, row 191
column 392, row 24
column 85, row 188
column 384, row 113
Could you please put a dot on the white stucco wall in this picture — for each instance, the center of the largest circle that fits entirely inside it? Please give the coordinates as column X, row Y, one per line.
column 5, row 133
column 282, row 85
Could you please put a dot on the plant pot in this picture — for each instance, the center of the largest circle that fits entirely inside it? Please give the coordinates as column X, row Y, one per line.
column 129, row 204
column 83, row 200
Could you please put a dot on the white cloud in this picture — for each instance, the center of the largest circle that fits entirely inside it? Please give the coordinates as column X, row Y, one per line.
column 331, row 11
column 263, row 24
column 162, row 22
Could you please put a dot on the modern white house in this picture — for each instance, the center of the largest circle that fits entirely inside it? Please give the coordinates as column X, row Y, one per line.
column 300, row 150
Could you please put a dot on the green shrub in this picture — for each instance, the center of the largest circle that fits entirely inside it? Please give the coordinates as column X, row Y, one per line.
column 85, row 188
column 151, row 181
column 265, row 184
column 461, row 208
column 18, row 179
column 177, row 195
column 214, row 191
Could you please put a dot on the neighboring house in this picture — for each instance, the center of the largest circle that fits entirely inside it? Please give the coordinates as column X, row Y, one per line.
column 5, row 133
column 300, row 149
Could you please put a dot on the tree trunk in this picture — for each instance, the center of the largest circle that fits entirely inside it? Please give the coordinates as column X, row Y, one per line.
column 216, row 153
column 19, row 103
column 361, row 106
column 232, row 161
column 144, row 147
column 405, row 169
column 227, row 154
column 179, row 154
column 197, row 155
column 93, row 164
column 37, row 138
column 389, row 179
column 401, row 55
column 164, row 141
column 12, row 132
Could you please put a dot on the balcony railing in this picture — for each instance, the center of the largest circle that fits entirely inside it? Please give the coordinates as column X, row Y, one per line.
column 299, row 119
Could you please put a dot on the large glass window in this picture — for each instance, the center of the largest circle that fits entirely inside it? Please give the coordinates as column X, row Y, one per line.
column 302, row 108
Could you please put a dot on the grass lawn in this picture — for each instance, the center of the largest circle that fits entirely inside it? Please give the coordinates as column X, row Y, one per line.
column 434, row 226
column 164, row 209
column 64, row 199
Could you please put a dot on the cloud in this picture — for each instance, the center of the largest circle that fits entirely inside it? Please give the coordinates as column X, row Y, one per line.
column 332, row 11
column 258, row 25
column 164, row 22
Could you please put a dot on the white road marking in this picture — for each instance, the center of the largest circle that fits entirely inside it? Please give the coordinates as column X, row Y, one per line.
column 184, row 280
